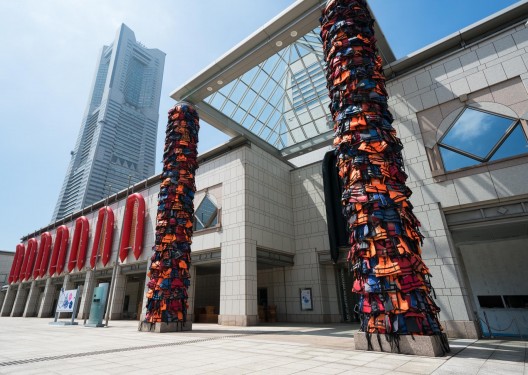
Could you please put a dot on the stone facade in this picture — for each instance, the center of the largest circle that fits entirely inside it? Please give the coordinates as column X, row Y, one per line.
column 272, row 231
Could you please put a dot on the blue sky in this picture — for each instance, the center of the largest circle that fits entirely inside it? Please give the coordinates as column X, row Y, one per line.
column 49, row 51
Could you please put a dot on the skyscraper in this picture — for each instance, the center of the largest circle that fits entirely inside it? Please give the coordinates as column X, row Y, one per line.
column 117, row 138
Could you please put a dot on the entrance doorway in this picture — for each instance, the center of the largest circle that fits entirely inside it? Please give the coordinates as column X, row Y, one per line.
column 133, row 300
column 494, row 255
column 348, row 301
column 207, row 293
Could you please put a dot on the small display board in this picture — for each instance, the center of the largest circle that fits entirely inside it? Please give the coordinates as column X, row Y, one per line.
column 68, row 301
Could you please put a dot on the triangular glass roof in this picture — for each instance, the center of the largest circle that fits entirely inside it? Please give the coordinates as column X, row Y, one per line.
column 284, row 99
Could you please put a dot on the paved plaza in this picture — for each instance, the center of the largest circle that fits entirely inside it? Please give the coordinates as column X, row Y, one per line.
column 32, row 346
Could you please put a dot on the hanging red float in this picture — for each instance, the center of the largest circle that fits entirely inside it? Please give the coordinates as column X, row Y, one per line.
column 79, row 244
column 31, row 253
column 22, row 271
column 43, row 255
column 13, row 275
column 20, row 249
column 60, row 247
column 104, row 233
column 133, row 226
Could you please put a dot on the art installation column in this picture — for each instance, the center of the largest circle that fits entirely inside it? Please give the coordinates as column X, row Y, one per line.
column 385, row 253
column 171, row 260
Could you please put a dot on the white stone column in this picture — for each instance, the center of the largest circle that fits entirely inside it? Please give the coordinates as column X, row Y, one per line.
column 116, row 304
column 68, row 283
column 9, row 300
column 20, row 300
column 144, row 299
column 190, row 293
column 238, row 283
column 32, row 301
column 47, row 300
column 2, row 299
column 87, row 292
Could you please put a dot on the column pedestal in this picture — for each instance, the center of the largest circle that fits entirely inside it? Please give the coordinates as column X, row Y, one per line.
column 430, row 346
column 164, row 327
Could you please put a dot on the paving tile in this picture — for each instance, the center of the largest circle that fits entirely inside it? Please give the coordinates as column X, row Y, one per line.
column 386, row 364
column 501, row 368
column 301, row 350
column 366, row 371
column 413, row 367
column 450, row 369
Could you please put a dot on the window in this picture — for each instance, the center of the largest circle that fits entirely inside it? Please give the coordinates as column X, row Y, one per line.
column 516, row 302
column 206, row 215
column 477, row 137
column 491, row 302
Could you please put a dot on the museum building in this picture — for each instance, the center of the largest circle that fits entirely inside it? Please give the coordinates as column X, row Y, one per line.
column 261, row 238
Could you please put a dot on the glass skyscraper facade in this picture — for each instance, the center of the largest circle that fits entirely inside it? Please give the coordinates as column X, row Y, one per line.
column 117, row 138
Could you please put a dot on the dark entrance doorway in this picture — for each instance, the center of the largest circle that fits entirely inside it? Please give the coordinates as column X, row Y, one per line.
column 348, row 301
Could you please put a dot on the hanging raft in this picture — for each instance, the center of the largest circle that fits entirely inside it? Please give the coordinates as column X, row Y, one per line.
column 384, row 237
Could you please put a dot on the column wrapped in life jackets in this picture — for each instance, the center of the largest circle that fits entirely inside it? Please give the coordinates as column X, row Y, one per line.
column 170, row 262
column 385, row 255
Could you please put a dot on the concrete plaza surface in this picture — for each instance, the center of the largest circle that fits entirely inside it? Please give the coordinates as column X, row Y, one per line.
column 32, row 346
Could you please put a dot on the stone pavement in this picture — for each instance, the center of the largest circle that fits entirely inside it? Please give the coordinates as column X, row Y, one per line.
column 32, row 346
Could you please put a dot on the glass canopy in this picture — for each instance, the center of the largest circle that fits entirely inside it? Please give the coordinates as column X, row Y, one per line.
column 284, row 99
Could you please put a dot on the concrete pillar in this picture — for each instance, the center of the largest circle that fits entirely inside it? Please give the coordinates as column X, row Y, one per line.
column 145, row 300
column 9, row 300
column 32, row 301
column 87, row 292
column 68, row 283
column 2, row 299
column 46, row 306
column 190, row 292
column 116, row 304
column 238, row 283
column 20, row 300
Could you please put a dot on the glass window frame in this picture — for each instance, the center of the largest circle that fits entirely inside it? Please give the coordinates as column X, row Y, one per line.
column 207, row 225
column 435, row 153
